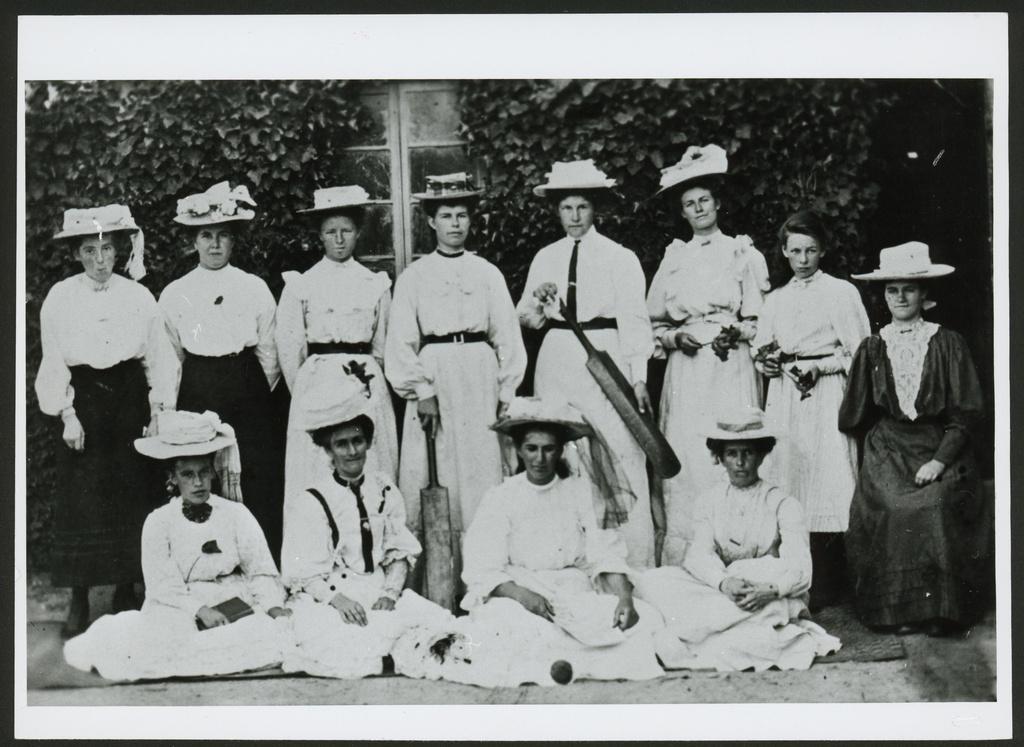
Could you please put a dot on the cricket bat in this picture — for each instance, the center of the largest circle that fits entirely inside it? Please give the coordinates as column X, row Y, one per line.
column 439, row 556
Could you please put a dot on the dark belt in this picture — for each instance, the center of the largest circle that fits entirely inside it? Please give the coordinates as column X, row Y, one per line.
column 791, row 357
column 243, row 353
column 453, row 337
column 332, row 348
column 598, row 322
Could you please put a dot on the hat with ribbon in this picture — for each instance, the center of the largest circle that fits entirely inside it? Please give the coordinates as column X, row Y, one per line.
column 219, row 204
column 569, row 176
column 335, row 400
column 698, row 161
column 96, row 221
column 457, row 186
column 909, row 261
column 551, row 411
column 188, row 434
column 740, row 424
column 338, row 198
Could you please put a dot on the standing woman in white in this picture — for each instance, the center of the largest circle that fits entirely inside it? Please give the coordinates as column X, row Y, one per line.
column 221, row 322
column 332, row 315
column 810, row 328
column 704, row 301
column 602, row 283
column 455, row 350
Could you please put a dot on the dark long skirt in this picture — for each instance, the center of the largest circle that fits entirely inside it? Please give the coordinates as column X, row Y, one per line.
column 105, row 491
column 234, row 387
column 916, row 553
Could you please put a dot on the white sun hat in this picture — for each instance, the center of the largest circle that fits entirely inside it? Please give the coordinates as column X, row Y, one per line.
column 96, row 221
column 574, row 175
column 909, row 261
column 336, row 400
column 338, row 198
column 740, row 424
column 697, row 161
column 534, row 410
column 187, row 434
column 218, row 204
column 457, row 186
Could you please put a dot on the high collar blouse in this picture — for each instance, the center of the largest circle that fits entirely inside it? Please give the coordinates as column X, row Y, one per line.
column 609, row 283
column 82, row 323
column 222, row 312
column 536, row 528
column 307, row 554
column 331, row 302
column 438, row 295
column 173, row 555
column 707, row 282
column 819, row 315
column 761, row 520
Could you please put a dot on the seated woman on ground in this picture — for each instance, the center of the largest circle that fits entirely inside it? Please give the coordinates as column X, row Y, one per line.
column 212, row 589
column 739, row 599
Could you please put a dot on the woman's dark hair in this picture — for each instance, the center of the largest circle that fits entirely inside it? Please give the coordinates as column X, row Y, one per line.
column 600, row 199
column 717, row 445
column 322, row 436
column 806, row 223
column 713, row 183
column 237, row 228
column 520, row 432
column 356, row 213
column 120, row 239
column 430, row 207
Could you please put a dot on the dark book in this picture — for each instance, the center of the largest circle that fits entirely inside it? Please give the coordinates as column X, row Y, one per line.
column 233, row 609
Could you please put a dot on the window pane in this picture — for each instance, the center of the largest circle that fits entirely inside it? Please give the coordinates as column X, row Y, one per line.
column 433, row 116
column 376, row 237
column 377, row 104
column 369, row 169
column 380, row 264
column 424, row 162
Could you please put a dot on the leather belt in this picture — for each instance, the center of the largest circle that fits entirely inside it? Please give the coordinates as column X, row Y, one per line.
column 330, row 348
column 459, row 337
column 598, row 322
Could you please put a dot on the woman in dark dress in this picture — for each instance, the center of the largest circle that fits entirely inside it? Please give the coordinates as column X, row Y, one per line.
column 920, row 527
column 107, row 369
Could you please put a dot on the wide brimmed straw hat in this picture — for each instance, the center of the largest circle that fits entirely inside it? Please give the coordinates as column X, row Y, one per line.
column 336, row 400
column 698, row 161
column 187, row 434
column 457, row 186
column 218, row 204
column 96, row 221
column 909, row 261
column 331, row 199
column 534, row 410
column 740, row 424
column 574, row 176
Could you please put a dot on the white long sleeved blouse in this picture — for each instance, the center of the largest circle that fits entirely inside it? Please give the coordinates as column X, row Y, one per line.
column 610, row 283
column 308, row 557
column 173, row 554
column 440, row 295
column 83, row 323
column 331, row 302
column 819, row 315
column 732, row 524
column 536, row 528
column 705, row 283
column 222, row 312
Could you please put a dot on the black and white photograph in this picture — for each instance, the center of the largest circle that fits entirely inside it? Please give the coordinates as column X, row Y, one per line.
column 661, row 366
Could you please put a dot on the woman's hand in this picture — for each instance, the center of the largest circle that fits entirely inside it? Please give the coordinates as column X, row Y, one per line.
column 625, row 613
column 643, row 399
column 546, row 293
column 385, row 604
column 276, row 612
column 211, row 618
column 735, row 588
column 534, row 602
column 231, row 485
column 930, row 472
column 350, row 610
column 430, row 415
column 770, row 367
column 74, row 434
column 686, row 342
column 757, row 596
column 810, row 373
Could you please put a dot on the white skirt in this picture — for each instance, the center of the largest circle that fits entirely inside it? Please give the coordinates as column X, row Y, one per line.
column 813, row 460
column 695, row 388
column 562, row 372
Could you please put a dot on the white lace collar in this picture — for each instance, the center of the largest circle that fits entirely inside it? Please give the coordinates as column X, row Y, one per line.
column 906, row 347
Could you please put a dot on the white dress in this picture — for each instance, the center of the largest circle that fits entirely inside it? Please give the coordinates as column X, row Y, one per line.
column 701, row 286
column 315, row 570
column 610, row 284
column 334, row 302
column 757, row 534
column 812, row 459
column 187, row 565
column 546, row 539
column 439, row 295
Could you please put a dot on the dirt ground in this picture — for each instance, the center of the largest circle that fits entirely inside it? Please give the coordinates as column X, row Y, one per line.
column 960, row 668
